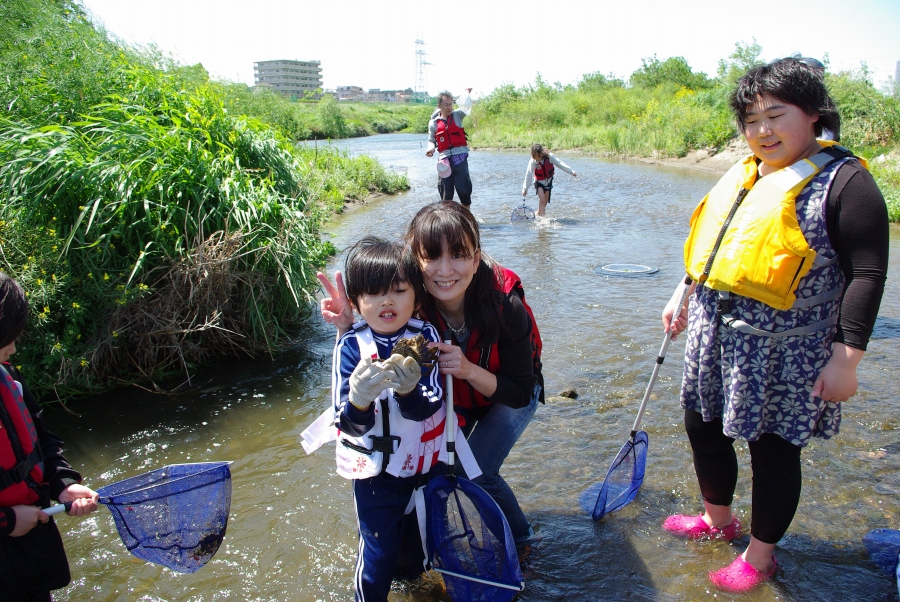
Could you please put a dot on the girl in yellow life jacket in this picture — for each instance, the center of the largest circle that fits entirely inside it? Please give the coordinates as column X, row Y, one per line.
column 790, row 249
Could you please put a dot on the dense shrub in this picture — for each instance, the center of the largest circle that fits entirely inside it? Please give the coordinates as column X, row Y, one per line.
column 153, row 221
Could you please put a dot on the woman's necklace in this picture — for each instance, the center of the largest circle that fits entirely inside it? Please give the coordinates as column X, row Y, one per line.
column 457, row 332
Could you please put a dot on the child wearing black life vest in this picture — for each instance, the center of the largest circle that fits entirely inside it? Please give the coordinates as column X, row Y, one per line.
column 541, row 168
column 773, row 344
column 388, row 413
column 33, row 471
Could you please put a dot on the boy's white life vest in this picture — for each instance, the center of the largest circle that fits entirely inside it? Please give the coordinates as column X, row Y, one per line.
column 417, row 445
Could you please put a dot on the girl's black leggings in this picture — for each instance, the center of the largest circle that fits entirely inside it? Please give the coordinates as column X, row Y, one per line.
column 775, row 464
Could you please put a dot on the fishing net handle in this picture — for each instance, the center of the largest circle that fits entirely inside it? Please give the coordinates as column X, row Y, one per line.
column 450, row 422
column 65, row 507
column 684, row 288
column 58, row 508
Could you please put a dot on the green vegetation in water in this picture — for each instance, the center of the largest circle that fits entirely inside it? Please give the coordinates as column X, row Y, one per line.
column 667, row 110
column 152, row 228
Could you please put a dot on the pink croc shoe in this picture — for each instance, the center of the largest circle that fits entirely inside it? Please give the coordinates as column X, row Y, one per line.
column 740, row 576
column 694, row 527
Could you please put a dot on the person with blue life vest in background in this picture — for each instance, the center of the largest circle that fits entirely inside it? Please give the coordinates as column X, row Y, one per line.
column 773, row 345
column 541, row 169
column 447, row 135
column 33, row 471
column 387, row 413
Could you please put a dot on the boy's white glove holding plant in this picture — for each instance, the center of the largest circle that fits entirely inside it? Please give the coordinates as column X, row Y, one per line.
column 407, row 371
column 368, row 380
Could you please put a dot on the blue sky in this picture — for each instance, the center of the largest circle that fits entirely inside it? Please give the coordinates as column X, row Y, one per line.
column 372, row 44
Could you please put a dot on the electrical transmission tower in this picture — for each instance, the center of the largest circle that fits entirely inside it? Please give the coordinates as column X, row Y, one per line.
column 421, row 82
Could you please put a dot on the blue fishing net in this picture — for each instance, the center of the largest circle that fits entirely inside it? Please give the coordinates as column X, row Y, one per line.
column 174, row 516
column 883, row 546
column 469, row 542
column 623, row 479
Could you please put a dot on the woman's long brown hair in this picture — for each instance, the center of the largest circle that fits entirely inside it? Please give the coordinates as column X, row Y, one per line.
column 451, row 221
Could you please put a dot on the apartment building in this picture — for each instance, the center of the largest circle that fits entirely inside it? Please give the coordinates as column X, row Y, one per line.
column 293, row 79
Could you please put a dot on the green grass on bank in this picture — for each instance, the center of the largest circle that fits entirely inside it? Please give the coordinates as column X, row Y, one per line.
column 325, row 119
column 153, row 222
column 666, row 110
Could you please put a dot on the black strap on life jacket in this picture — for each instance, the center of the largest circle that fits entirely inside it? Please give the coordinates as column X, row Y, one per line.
column 385, row 442
column 20, row 471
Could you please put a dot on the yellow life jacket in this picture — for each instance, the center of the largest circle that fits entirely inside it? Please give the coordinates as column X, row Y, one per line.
column 763, row 254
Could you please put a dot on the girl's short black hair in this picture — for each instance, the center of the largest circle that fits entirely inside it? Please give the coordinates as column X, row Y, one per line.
column 13, row 310
column 373, row 266
column 792, row 81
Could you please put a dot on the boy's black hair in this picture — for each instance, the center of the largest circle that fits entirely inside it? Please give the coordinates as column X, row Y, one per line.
column 373, row 266
column 792, row 81
column 13, row 310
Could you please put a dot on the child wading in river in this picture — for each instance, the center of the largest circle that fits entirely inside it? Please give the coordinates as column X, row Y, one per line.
column 540, row 170
column 387, row 411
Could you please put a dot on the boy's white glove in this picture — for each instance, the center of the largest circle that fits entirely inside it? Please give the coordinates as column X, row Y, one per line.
column 368, row 380
column 407, row 371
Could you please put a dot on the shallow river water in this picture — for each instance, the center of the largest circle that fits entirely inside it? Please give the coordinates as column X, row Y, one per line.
column 291, row 534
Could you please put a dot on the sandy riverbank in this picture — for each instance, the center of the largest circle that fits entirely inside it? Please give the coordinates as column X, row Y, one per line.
column 704, row 160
